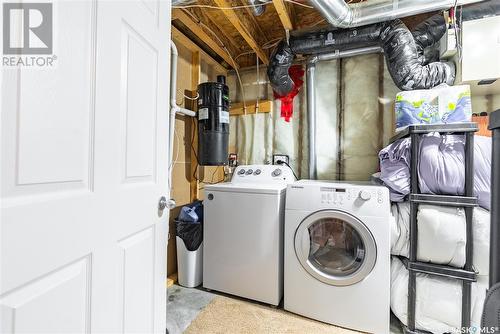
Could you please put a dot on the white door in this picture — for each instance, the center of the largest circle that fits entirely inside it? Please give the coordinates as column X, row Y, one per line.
column 84, row 163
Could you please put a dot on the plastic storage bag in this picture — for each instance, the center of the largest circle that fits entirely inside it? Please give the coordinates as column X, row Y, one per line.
column 189, row 225
column 192, row 212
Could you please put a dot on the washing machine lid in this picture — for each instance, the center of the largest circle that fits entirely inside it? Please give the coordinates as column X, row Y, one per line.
column 254, row 188
column 335, row 247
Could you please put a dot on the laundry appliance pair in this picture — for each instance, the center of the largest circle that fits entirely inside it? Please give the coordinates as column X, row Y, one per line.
column 325, row 247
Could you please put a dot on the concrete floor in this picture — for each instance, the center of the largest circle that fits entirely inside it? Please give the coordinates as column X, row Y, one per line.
column 184, row 305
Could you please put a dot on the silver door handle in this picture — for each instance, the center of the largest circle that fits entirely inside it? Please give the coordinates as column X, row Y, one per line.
column 163, row 203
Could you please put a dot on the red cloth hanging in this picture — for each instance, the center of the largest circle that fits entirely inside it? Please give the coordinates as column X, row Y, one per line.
column 296, row 73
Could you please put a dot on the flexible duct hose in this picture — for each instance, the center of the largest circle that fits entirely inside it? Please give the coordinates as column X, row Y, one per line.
column 405, row 63
column 411, row 57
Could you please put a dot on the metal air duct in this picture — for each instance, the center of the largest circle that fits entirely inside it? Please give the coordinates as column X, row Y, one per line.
column 340, row 14
column 257, row 7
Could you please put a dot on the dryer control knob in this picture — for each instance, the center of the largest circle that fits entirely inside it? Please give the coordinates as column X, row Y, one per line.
column 365, row 195
column 276, row 172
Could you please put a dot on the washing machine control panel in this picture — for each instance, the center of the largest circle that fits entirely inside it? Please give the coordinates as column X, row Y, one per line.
column 263, row 173
column 319, row 195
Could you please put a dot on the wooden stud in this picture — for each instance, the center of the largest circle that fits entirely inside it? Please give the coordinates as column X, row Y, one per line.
column 242, row 28
column 195, row 80
column 195, row 27
column 171, row 280
column 283, row 14
column 182, row 39
column 265, row 106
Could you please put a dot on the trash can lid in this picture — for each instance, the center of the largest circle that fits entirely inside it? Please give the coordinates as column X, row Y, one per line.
column 495, row 120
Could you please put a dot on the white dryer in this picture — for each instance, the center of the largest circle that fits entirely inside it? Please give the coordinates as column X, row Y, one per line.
column 337, row 254
column 243, row 233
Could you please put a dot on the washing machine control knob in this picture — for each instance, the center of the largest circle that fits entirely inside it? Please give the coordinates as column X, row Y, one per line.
column 365, row 195
column 276, row 172
column 241, row 172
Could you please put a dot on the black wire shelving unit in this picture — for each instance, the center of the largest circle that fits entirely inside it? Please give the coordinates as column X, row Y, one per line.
column 466, row 274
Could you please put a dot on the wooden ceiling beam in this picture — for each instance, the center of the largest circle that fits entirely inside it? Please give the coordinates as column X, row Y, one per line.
column 256, row 26
column 243, row 28
column 178, row 36
column 213, row 22
column 191, row 24
column 283, row 14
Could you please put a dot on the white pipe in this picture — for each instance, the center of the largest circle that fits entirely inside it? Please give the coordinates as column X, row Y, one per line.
column 311, row 118
column 174, row 109
column 342, row 15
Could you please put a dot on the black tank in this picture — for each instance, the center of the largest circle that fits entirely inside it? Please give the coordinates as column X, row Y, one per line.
column 213, row 122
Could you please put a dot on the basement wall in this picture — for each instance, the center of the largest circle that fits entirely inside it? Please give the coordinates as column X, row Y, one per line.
column 183, row 157
column 355, row 119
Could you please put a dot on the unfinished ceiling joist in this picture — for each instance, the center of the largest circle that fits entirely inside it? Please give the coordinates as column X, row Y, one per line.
column 242, row 28
column 283, row 14
column 191, row 24
column 178, row 36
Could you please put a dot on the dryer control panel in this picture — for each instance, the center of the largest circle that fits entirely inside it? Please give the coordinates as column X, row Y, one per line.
column 262, row 174
column 361, row 198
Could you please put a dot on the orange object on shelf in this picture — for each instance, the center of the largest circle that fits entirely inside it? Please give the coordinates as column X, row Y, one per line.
column 482, row 122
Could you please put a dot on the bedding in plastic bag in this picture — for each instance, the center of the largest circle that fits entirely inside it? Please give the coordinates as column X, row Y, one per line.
column 439, row 300
column 442, row 104
column 442, row 235
column 441, row 168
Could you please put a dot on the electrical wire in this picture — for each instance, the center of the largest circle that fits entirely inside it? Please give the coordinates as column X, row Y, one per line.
column 258, row 89
column 235, row 66
column 193, row 122
column 281, row 162
column 174, row 161
column 184, row 96
column 456, row 24
column 241, row 6
column 265, row 46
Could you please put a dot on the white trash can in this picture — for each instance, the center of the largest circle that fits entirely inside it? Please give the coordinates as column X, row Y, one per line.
column 189, row 265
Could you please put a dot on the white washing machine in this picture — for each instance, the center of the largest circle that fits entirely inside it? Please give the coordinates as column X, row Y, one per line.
column 243, row 233
column 337, row 254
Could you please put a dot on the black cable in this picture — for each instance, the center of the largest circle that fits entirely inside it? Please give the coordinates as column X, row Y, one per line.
column 281, row 162
column 194, row 123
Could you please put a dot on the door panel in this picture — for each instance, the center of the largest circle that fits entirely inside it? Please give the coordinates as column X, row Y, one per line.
column 66, row 290
column 50, row 134
column 83, row 165
column 139, row 97
column 138, row 264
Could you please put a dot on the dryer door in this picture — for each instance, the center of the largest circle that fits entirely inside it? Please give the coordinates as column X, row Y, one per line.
column 335, row 247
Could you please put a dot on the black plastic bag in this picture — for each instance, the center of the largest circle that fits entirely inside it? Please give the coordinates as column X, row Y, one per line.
column 191, row 232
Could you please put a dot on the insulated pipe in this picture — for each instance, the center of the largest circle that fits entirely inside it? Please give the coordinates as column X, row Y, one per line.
column 174, row 109
column 311, row 118
column 258, row 9
column 342, row 15
column 311, row 97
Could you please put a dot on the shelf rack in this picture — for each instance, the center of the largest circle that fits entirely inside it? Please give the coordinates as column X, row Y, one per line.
column 466, row 274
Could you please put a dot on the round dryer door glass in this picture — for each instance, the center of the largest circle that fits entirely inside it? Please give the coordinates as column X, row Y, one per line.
column 335, row 247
